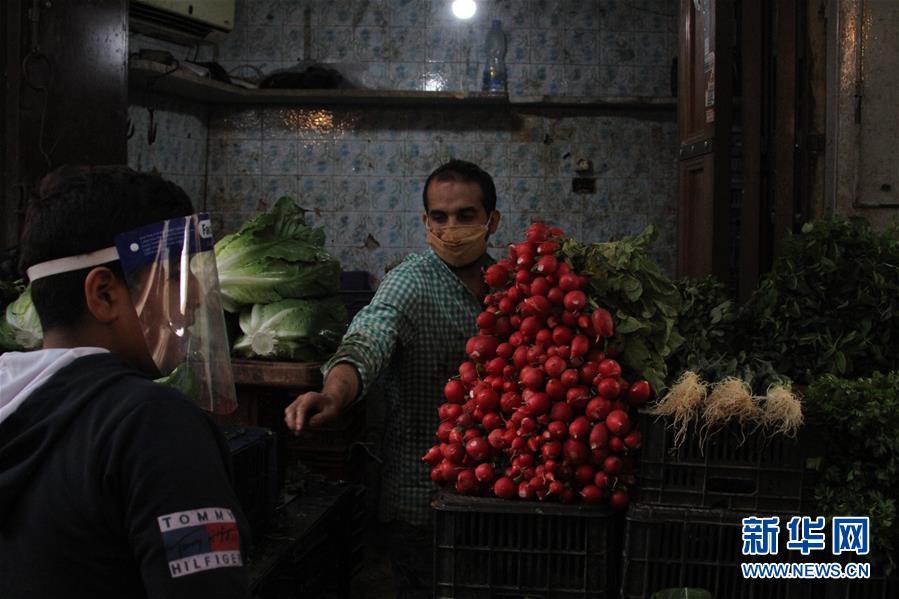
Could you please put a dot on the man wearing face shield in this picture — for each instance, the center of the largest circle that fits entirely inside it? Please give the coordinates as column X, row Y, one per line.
column 413, row 334
column 112, row 485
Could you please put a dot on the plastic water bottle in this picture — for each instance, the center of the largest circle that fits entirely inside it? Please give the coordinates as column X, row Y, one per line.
column 495, row 67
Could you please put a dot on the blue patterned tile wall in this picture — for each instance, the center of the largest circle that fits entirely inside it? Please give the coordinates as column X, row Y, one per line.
column 359, row 172
column 554, row 47
column 179, row 149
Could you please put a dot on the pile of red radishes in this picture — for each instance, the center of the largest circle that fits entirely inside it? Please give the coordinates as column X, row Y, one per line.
column 541, row 410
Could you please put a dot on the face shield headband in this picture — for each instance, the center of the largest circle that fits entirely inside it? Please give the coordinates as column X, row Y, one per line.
column 172, row 277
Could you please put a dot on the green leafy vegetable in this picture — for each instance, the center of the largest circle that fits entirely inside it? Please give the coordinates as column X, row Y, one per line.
column 829, row 305
column 302, row 330
column 644, row 302
column 860, row 420
column 275, row 256
column 23, row 322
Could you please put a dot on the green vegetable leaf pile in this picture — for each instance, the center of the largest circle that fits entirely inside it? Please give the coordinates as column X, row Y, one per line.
column 860, row 420
column 275, row 256
column 645, row 303
column 830, row 304
column 301, row 330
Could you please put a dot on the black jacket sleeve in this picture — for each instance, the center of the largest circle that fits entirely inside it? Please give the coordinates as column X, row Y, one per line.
column 169, row 472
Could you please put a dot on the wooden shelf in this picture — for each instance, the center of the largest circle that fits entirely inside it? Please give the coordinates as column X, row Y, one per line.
column 153, row 76
column 280, row 375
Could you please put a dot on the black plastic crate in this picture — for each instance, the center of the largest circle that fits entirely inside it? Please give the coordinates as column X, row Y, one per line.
column 669, row 547
column 254, row 459
column 734, row 469
column 486, row 547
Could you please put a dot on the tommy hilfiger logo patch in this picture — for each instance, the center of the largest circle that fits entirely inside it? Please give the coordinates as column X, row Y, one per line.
column 198, row 540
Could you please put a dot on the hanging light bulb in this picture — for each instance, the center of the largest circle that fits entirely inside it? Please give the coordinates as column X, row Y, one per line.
column 464, row 9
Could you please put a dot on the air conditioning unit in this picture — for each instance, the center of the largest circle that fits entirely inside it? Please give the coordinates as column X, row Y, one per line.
column 182, row 20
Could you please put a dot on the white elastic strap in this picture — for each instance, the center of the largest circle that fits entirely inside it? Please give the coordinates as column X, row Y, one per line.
column 72, row 263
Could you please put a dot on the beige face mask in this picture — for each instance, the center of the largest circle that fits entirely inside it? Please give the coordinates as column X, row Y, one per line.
column 458, row 245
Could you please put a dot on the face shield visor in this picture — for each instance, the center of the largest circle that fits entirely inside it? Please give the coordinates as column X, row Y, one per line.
column 171, row 274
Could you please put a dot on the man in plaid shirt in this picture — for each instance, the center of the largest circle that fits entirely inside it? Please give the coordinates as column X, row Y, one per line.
column 414, row 333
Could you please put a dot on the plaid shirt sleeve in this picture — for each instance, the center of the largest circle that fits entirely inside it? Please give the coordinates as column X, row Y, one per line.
column 378, row 328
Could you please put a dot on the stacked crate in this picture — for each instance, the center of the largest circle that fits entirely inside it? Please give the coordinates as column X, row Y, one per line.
column 486, row 547
column 686, row 529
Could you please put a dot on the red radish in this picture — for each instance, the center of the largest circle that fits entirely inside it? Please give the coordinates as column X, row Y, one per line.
column 547, row 247
column 448, row 471
column 556, row 488
column 591, row 494
column 486, row 399
column 568, row 282
column 537, row 404
column 639, row 393
column 563, row 351
column 433, row 456
column 618, row 422
column 543, row 338
column 492, row 421
column 505, row 488
column 454, row 391
column 551, row 449
column 520, row 357
column 562, row 335
column 570, row 377
column 518, row 444
column 608, row 388
column 597, row 409
column 619, row 499
column 526, row 492
column 436, row 474
column 478, row 449
column 616, row 444
column 583, row 323
column 525, row 260
column 454, row 452
column 496, row 276
column 575, row 451
column 555, row 389
column 510, row 401
column 516, row 339
column 579, row 428
column 530, row 326
column 485, row 320
column 495, row 366
column 503, row 326
column 554, row 367
column 505, row 350
column 540, row 287
column 467, row 482
column 556, row 296
column 496, row 440
column 633, row 440
column 580, row 345
column 484, row 473
column 456, row 434
column 536, row 305
column 584, row 474
column 443, row 430
column 598, row 456
column 532, row 378
column 452, row 411
column 602, row 322
column 561, row 411
column 577, row 397
column 575, row 300
column 599, row 436
column 564, row 268
column 547, row 265
column 523, row 280
column 537, row 233
column 506, row 306
column 557, row 429
column 555, row 232
column 601, row 480
column 610, row 368
column 568, row 318
column 612, row 465
column 482, row 348
column 596, row 356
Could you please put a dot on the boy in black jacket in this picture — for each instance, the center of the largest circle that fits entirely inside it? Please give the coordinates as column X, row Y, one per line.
column 110, row 484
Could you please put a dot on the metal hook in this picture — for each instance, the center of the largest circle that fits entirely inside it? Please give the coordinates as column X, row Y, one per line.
column 151, row 128
column 130, row 128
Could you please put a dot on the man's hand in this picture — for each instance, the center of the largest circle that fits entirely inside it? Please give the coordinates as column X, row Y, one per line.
column 315, row 408
column 311, row 409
